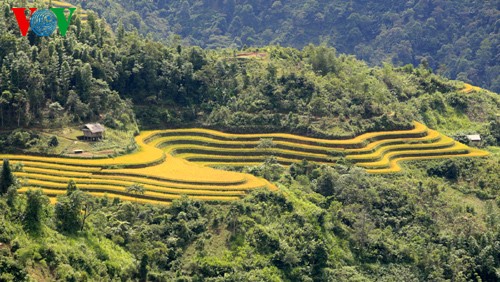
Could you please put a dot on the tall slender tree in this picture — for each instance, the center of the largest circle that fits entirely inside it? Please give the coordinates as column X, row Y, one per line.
column 135, row 190
column 71, row 187
column 6, row 179
column 36, row 202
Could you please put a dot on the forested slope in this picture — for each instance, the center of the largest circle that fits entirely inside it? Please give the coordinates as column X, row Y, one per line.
column 435, row 221
column 93, row 75
column 458, row 39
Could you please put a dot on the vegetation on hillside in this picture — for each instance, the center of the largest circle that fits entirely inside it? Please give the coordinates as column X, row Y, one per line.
column 92, row 75
column 326, row 224
column 458, row 39
column 434, row 221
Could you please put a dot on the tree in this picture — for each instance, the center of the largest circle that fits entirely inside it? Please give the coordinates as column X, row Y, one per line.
column 4, row 100
column 143, row 268
column 266, row 143
column 34, row 214
column 325, row 184
column 120, row 32
column 6, row 179
column 67, row 211
column 87, row 208
column 71, row 187
column 12, row 195
column 135, row 190
column 53, row 142
column 72, row 211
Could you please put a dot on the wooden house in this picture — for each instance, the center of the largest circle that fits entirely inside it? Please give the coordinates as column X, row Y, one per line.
column 93, row 131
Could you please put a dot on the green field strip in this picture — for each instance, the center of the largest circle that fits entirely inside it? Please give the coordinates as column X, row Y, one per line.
column 118, row 190
column 420, row 130
column 118, row 183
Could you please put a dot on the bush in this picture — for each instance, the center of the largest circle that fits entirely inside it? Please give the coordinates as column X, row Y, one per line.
column 53, row 142
column 448, row 169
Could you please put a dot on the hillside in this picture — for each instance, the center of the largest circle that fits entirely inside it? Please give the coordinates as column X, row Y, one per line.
column 458, row 39
column 262, row 164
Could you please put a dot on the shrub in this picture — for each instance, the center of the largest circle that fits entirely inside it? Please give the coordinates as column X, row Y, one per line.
column 53, row 142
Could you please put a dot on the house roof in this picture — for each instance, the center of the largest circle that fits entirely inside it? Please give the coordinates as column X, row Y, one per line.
column 94, row 127
column 474, row 137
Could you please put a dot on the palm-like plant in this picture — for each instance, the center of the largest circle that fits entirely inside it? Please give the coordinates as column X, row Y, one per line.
column 135, row 190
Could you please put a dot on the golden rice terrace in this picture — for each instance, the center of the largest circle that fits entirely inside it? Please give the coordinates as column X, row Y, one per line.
column 172, row 163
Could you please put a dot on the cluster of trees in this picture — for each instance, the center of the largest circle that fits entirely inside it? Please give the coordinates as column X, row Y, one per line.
column 58, row 80
column 327, row 224
column 330, row 224
column 457, row 39
column 92, row 74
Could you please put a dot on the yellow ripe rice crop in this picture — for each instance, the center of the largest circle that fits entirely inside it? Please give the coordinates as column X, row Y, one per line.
column 54, row 193
column 394, row 164
column 179, row 170
column 457, row 149
column 117, row 190
column 164, row 142
column 67, row 174
column 166, row 177
column 418, row 129
column 444, row 142
column 470, row 88
column 163, row 183
column 124, row 184
column 51, row 166
column 208, row 149
column 237, row 151
column 61, row 4
column 432, row 136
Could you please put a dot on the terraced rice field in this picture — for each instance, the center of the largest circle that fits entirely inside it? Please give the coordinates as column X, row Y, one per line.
column 164, row 177
column 172, row 163
column 378, row 152
column 63, row 4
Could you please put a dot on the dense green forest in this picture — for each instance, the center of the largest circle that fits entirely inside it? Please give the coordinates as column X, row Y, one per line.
column 458, row 39
column 437, row 221
column 92, row 75
column 326, row 224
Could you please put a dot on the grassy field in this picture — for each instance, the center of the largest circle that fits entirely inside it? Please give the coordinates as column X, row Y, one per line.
column 115, row 143
column 172, row 163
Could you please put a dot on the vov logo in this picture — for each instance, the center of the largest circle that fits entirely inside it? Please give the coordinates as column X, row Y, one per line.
column 43, row 22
